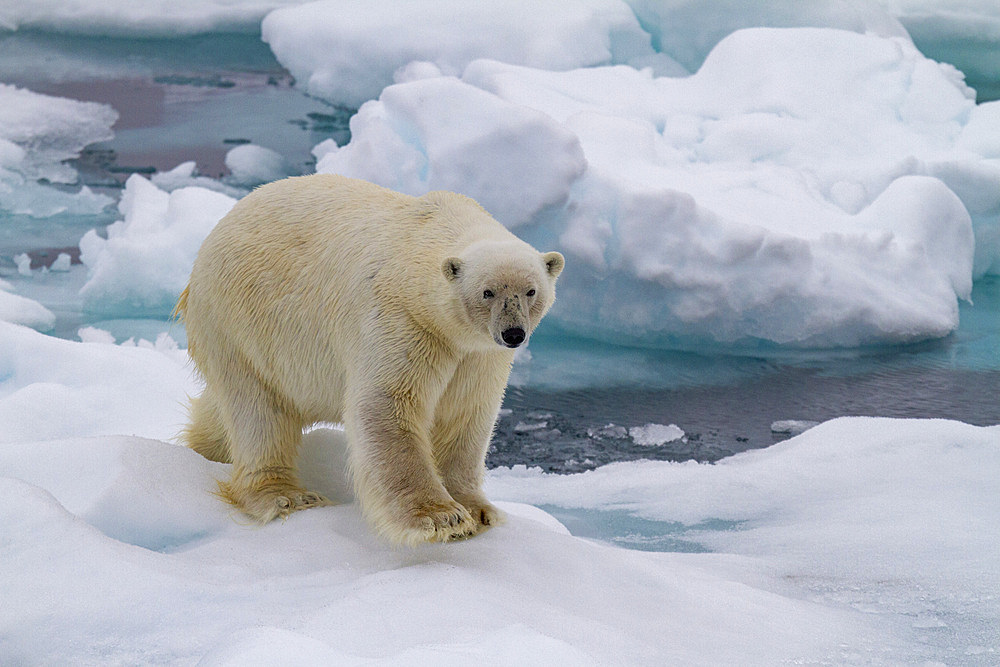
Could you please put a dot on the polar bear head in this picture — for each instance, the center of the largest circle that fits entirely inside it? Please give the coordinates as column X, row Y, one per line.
column 505, row 287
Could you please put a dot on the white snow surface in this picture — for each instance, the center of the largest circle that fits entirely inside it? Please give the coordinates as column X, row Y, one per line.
column 744, row 202
column 863, row 541
column 145, row 262
column 54, row 388
column 22, row 310
column 348, row 51
column 37, row 134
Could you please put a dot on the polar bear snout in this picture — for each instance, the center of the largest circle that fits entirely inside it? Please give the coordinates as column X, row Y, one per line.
column 513, row 336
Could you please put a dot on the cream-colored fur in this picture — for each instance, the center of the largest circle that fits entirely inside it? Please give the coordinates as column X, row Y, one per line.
column 323, row 298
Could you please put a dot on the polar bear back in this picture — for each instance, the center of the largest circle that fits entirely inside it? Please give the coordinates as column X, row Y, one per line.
column 308, row 261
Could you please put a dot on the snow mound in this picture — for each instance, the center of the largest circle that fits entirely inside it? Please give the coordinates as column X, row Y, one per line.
column 148, row 564
column 144, row 263
column 17, row 309
column 442, row 134
column 347, row 51
column 54, row 388
column 743, row 203
column 37, row 134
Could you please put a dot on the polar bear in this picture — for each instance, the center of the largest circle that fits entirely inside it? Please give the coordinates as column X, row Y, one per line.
column 325, row 298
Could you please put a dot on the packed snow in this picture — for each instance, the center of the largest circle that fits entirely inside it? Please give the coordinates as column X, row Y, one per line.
column 861, row 541
column 52, row 388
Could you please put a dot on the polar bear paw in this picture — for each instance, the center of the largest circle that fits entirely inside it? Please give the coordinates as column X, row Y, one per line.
column 434, row 522
column 271, row 500
column 483, row 512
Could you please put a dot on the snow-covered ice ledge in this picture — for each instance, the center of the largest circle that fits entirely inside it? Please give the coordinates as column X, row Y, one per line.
column 808, row 187
column 861, row 541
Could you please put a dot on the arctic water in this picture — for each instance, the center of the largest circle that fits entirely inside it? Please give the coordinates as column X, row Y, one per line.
column 573, row 404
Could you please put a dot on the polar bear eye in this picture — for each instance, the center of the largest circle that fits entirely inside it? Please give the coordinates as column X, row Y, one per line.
column 488, row 294
column 531, row 292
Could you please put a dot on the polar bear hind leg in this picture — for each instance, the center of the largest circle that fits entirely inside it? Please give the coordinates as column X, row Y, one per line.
column 264, row 437
column 205, row 432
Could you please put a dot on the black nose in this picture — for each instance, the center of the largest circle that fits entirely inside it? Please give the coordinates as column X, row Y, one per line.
column 513, row 337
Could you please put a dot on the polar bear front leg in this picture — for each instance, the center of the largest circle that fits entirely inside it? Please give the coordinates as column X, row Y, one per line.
column 463, row 427
column 394, row 477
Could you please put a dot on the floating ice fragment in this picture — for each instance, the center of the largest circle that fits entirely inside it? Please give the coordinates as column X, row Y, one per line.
column 145, row 261
column 608, row 431
column 95, row 335
column 654, row 435
column 38, row 133
column 252, row 165
column 186, row 175
column 792, row 426
column 125, row 18
column 527, row 427
column 23, row 264
column 62, row 263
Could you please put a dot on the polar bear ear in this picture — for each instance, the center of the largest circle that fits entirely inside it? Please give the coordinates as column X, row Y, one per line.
column 451, row 267
column 554, row 263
